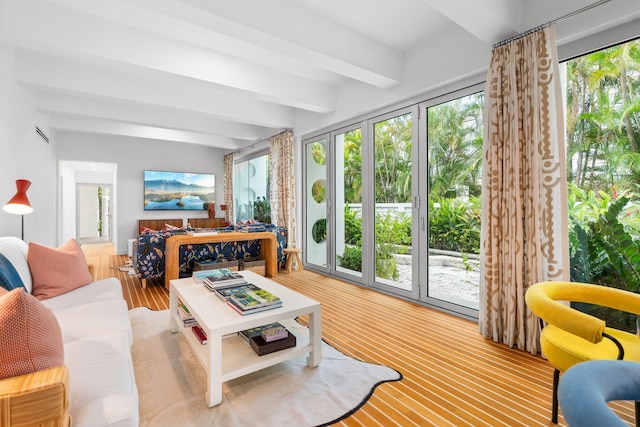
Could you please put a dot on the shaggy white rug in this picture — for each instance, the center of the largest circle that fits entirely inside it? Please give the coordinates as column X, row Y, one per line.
column 171, row 384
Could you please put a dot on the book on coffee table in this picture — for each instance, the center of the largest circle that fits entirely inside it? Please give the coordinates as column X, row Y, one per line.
column 247, row 334
column 252, row 299
column 224, row 293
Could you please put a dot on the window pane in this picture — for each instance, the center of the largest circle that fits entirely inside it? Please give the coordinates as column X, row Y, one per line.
column 348, row 205
column 251, row 189
column 392, row 139
column 316, row 209
column 603, row 171
column 455, row 157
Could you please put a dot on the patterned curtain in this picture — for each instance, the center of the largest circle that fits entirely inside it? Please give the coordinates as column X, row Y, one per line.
column 283, row 189
column 229, row 215
column 524, row 213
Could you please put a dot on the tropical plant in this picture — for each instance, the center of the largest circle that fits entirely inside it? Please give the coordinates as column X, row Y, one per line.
column 454, row 224
column 351, row 258
column 262, row 210
column 393, row 160
column 455, row 146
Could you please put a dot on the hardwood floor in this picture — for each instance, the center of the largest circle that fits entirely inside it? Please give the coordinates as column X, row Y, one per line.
column 451, row 375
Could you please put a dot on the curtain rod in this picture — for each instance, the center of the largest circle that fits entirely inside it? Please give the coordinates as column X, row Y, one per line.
column 252, row 146
column 550, row 23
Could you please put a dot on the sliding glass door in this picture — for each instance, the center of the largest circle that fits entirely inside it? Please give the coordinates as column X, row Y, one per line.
column 392, row 194
column 454, row 150
column 347, row 210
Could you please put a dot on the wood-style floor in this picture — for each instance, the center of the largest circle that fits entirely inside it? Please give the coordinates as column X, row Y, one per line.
column 451, row 375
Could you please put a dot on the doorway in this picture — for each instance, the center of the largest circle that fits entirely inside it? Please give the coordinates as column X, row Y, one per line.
column 93, row 215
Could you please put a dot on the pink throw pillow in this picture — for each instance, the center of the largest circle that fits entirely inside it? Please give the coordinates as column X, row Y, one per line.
column 30, row 337
column 57, row 271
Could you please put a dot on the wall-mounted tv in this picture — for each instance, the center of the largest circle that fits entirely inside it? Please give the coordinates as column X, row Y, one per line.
column 178, row 190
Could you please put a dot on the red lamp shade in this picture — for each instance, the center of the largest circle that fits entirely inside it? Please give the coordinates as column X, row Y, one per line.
column 19, row 204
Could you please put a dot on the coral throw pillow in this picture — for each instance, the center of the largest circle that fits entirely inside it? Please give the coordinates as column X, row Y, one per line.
column 30, row 337
column 57, row 271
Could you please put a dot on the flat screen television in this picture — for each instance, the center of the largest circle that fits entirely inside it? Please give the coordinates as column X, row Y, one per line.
column 178, row 190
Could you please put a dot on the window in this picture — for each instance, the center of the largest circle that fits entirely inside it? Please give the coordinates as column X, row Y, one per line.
column 603, row 170
column 251, row 189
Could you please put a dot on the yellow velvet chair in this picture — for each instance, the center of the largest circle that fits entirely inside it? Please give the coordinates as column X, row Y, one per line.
column 571, row 336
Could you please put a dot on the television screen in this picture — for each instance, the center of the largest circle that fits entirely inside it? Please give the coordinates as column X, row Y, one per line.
column 178, row 191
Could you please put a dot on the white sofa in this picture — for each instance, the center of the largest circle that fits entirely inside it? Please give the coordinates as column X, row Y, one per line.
column 97, row 336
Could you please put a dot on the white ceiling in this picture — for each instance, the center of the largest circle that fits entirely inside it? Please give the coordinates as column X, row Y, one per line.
column 228, row 73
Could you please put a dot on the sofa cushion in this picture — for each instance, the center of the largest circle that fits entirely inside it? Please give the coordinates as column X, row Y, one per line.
column 9, row 277
column 30, row 337
column 15, row 250
column 102, row 388
column 57, row 271
column 101, row 290
column 92, row 319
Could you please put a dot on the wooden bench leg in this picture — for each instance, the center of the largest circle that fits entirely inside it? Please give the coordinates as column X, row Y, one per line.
column 144, row 283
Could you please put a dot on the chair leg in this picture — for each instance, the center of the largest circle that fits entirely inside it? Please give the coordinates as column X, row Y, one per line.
column 554, row 405
column 637, row 413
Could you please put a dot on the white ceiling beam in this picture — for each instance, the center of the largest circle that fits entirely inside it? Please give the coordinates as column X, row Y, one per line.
column 488, row 20
column 261, row 32
column 92, row 37
column 53, row 73
column 147, row 115
column 63, row 122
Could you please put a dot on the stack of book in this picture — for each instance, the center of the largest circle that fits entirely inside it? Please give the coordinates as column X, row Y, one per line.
column 185, row 315
column 225, row 292
column 253, row 228
column 269, row 338
column 213, row 282
column 253, row 301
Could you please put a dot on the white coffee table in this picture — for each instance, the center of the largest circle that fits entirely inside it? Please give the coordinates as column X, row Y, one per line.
column 229, row 358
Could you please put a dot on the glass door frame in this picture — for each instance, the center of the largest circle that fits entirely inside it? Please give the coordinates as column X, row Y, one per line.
column 332, row 194
column 369, row 205
column 423, row 143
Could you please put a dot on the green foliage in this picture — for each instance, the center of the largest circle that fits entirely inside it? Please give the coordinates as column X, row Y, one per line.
column 455, row 146
column 392, row 139
column 352, row 227
column 319, row 230
column 454, row 224
column 351, row 258
column 262, row 210
column 604, row 239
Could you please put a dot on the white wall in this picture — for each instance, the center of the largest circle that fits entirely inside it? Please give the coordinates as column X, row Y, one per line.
column 25, row 155
column 133, row 156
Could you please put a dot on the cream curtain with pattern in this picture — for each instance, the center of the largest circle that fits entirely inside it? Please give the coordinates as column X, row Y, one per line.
column 283, row 188
column 229, row 215
column 524, row 212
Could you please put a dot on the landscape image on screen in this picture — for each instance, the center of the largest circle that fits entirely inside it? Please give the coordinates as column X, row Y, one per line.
column 177, row 190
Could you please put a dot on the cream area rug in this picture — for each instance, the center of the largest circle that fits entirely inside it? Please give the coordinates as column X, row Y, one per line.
column 172, row 383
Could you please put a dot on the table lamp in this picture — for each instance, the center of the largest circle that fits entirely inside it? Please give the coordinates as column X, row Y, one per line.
column 19, row 204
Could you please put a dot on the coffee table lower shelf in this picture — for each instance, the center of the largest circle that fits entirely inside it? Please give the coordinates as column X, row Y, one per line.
column 239, row 359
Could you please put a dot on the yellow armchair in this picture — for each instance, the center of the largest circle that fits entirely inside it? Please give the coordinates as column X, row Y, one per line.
column 571, row 336
column 36, row 399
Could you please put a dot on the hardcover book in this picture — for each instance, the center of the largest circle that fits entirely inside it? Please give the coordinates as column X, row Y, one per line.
column 254, row 332
column 225, row 292
column 254, row 299
column 232, row 278
column 200, row 275
column 199, row 333
column 244, row 312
